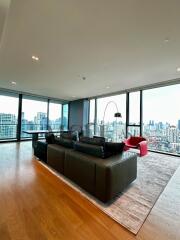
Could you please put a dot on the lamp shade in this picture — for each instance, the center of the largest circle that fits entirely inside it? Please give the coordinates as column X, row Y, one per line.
column 117, row 115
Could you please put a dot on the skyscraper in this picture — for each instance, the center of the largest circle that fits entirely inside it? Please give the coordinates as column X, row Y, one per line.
column 8, row 125
column 179, row 124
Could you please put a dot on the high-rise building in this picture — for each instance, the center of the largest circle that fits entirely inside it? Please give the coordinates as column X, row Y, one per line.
column 8, row 125
column 41, row 121
column 179, row 124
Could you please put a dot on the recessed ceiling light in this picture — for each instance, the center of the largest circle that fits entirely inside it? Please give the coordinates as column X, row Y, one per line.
column 166, row 40
column 178, row 69
column 107, row 87
column 13, row 83
column 35, row 58
column 73, row 96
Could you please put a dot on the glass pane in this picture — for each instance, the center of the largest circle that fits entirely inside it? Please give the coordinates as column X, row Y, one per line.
column 8, row 117
column 65, row 116
column 133, row 131
column 92, row 111
column 34, row 116
column 113, row 128
column 161, row 118
column 90, row 127
column 55, row 111
column 134, row 108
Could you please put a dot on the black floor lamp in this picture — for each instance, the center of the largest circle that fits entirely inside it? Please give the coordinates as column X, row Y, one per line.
column 116, row 115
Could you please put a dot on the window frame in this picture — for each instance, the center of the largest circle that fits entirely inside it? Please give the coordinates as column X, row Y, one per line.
column 140, row 125
column 29, row 96
column 15, row 95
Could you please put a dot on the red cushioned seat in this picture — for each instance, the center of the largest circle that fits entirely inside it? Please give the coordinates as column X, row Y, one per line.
column 137, row 142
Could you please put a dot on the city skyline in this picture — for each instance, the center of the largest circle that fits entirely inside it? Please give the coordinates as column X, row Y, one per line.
column 8, row 124
column 160, row 136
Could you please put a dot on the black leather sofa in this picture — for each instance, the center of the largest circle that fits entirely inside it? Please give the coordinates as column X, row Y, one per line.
column 104, row 174
column 40, row 150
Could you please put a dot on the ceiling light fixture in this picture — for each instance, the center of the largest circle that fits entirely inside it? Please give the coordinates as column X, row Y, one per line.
column 108, row 87
column 35, row 58
column 178, row 69
column 166, row 40
column 13, row 83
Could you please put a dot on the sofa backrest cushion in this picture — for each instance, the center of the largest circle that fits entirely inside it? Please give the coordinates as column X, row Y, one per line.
column 91, row 149
column 93, row 141
column 114, row 148
column 98, row 147
column 102, row 138
column 64, row 142
column 68, row 135
column 50, row 138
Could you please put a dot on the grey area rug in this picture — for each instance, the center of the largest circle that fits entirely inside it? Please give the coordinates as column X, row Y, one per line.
column 131, row 208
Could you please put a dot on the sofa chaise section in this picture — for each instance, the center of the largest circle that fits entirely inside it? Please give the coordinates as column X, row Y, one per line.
column 113, row 175
column 104, row 178
column 81, row 169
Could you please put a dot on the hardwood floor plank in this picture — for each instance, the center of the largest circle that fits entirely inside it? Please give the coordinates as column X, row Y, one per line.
column 36, row 204
column 4, row 233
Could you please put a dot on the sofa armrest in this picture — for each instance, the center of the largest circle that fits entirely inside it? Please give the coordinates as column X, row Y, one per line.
column 40, row 150
column 143, row 148
column 143, row 143
column 113, row 178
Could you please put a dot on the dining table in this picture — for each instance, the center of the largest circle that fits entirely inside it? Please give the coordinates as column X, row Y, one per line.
column 35, row 134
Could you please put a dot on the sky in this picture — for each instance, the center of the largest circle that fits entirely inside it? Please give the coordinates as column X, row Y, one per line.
column 8, row 105
column 120, row 100
column 162, row 104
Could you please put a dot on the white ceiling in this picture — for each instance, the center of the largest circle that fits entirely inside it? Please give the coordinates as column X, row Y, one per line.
column 115, row 43
column 4, row 6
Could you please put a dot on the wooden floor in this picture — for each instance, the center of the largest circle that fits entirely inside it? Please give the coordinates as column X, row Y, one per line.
column 35, row 204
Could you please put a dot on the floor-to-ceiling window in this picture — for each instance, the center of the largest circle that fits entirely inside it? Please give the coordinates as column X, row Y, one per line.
column 161, row 118
column 91, row 110
column 65, row 116
column 114, row 128
column 8, row 116
column 133, row 128
column 34, row 115
column 55, row 115
column 91, row 127
column 19, row 112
